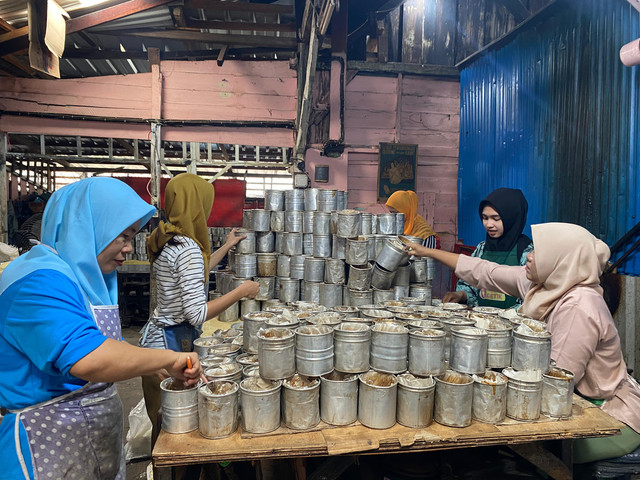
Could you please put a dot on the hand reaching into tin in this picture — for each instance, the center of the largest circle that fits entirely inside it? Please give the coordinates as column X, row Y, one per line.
column 416, row 249
column 250, row 288
column 232, row 238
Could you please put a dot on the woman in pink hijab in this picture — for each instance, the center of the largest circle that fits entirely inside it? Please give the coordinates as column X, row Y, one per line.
column 560, row 285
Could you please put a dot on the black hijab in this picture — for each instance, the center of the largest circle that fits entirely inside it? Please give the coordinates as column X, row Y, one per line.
column 512, row 208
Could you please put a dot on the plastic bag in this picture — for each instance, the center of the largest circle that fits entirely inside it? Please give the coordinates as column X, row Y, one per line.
column 139, row 435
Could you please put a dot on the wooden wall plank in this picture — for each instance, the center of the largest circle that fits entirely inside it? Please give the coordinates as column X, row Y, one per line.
column 268, row 137
column 54, row 126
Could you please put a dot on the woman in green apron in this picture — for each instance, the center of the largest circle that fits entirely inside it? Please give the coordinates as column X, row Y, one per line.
column 504, row 215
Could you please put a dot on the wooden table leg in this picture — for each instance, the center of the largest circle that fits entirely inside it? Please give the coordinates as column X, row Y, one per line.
column 542, row 458
column 300, row 468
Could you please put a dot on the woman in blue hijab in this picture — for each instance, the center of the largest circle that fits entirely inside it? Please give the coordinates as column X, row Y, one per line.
column 60, row 338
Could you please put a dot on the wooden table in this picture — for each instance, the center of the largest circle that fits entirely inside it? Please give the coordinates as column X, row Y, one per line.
column 326, row 440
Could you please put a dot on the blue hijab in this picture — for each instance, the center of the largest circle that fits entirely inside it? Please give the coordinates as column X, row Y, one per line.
column 80, row 220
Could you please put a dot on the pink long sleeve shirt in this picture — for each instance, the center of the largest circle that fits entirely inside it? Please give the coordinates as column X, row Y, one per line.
column 584, row 338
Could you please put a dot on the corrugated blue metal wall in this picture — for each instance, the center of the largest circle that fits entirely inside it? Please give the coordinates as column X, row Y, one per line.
column 555, row 113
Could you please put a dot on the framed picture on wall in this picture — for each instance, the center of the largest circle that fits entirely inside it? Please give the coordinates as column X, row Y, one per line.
column 396, row 169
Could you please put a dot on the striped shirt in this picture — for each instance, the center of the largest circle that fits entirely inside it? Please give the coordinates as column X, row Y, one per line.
column 180, row 290
column 431, row 242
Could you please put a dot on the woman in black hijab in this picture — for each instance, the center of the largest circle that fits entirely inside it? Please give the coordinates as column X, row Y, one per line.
column 504, row 215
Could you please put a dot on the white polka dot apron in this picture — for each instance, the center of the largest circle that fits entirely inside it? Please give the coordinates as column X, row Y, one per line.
column 79, row 434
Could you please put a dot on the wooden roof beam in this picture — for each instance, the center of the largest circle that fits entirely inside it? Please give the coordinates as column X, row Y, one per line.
column 187, row 35
column 240, row 6
column 245, row 26
column 111, row 13
column 516, row 8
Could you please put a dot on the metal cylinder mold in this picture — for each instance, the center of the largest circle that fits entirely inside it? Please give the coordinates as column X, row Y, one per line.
column 524, row 394
column 359, row 297
column 352, row 342
column 314, row 350
column 334, row 271
column 294, row 200
column 288, row 290
column 330, row 294
column 468, row 349
column 403, row 276
column 267, row 264
column 265, row 242
column 399, row 223
column 179, row 406
column 307, row 244
column 557, row 393
column 230, row 314
column 277, row 221
column 293, row 221
column 380, row 278
column 307, row 221
column 292, row 243
column 313, row 269
column 274, row 200
column 418, row 270
column 454, row 396
column 360, row 277
column 260, row 401
column 489, row 397
column 251, row 323
column 261, row 220
column 276, row 353
column 301, row 402
column 297, row 267
column 283, row 266
column 322, row 246
column 426, row 352
column 246, row 265
column 310, row 291
column 321, row 223
column 248, row 244
column 342, row 199
column 202, row 345
column 279, row 242
column 326, row 200
column 377, row 399
column 311, row 199
column 392, row 255
column 389, row 347
column 249, row 305
column 348, row 224
column 530, row 349
column 339, row 247
column 366, row 223
column 380, row 296
column 247, row 219
column 357, row 251
column 218, row 409
column 386, row 223
column 339, row 398
column 416, row 397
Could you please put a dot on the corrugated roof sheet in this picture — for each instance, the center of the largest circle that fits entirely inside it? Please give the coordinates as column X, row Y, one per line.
column 554, row 113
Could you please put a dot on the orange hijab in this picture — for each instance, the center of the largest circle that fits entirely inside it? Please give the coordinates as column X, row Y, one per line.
column 566, row 256
column 188, row 200
column 407, row 202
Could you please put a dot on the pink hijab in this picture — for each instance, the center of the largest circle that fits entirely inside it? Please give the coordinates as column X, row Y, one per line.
column 566, row 256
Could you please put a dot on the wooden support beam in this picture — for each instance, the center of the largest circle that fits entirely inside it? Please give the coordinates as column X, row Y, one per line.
column 189, row 35
column 112, row 13
column 240, row 6
column 244, row 26
column 156, row 153
column 404, row 68
column 516, row 8
column 305, row 106
column 221, row 54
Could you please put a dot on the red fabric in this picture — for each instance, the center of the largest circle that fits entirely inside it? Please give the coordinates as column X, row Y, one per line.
column 227, row 205
column 463, row 250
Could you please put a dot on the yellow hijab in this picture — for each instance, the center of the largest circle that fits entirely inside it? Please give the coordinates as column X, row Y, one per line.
column 407, row 202
column 566, row 256
column 188, row 200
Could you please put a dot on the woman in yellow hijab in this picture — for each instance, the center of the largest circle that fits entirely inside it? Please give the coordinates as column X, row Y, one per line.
column 406, row 202
column 181, row 259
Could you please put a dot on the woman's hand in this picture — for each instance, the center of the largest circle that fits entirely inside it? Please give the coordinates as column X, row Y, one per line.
column 455, row 297
column 250, row 288
column 416, row 249
column 186, row 368
column 233, row 239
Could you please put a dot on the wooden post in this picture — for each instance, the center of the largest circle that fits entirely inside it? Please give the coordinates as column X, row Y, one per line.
column 4, row 221
column 156, row 145
column 195, row 157
column 305, row 106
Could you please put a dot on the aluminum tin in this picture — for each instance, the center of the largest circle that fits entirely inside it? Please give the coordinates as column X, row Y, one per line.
column 246, row 245
column 360, row 297
column 276, row 353
column 225, row 349
column 307, row 244
column 377, row 403
column 371, row 241
column 297, row 267
column 330, row 295
column 422, row 292
column 213, row 295
column 386, row 223
column 499, row 347
column 468, row 349
column 236, row 282
column 294, row 200
column 293, row 221
column 292, row 243
column 274, row 200
column 322, row 246
column 380, row 296
column 313, row 269
column 321, row 223
column 249, row 305
column 213, row 360
column 230, row 314
column 251, row 323
column 289, row 290
column 245, row 359
column 260, row 408
column 282, row 322
column 277, row 221
column 360, row 277
column 351, row 342
column 301, row 405
column 347, row 311
column 246, row 265
column 447, row 324
column 381, row 278
column 403, row 277
column 326, row 200
column 400, row 291
column 307, row 221
column 342, row 199
column 333, row 223
column 247, row 219
column 389, row 350
column 557, row 393
column 357, row 251
column 392, row 255
column 348, row 224
column 524, row 395
column 261, row 220
column 529, row 352
column 314, row 350
column 179, row 407
column 223, row 281
column 426, row 352
column 338, row 398
column 377, row 314
column 201, row 345
column 366, row 220
column 310, row 291
column 490, row 397
column 279, row 243
column 311, row 199
column 217, row 414
column 431, row 269
column 267, row 264
column 283, row 268
column 265, row 242
column 399, row 223
column 418, row 270
column 250, row 371
column 231, row 257
column 339, row 247
column 415, row 403
column 454, row 397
